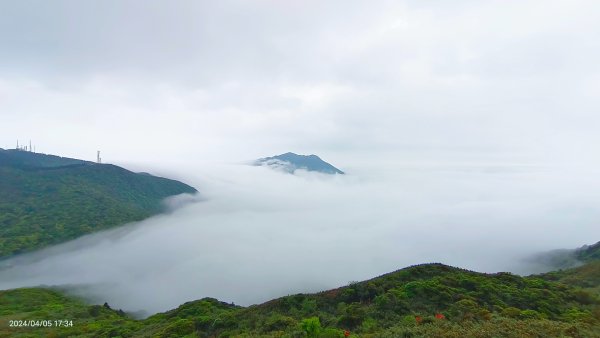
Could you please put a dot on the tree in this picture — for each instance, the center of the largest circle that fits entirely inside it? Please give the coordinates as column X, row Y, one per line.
column 311, row 326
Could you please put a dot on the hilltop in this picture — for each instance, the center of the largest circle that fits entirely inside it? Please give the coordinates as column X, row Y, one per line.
column 428, row 300
column 47, row 199
column 567, row 258
column 29, row 160
column 291, row 162
column 586, row 276
column 588, row 253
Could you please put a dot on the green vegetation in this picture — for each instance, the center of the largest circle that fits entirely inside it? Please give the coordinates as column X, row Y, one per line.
column 430, row 300
column 48, row 199
column 588, row 253
column 49, row 305
column 587, row 276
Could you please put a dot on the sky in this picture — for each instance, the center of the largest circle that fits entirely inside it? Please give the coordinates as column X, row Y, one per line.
column 178, row 81
column 468, row 130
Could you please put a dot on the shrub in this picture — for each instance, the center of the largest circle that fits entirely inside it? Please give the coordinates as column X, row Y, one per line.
column 179, row 328
column 311, row 327
column 464, row 309
column 331, row 333
column 278, row 322
column 530, row 314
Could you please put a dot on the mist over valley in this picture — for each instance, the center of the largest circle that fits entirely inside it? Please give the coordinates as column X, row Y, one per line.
column 252, row 234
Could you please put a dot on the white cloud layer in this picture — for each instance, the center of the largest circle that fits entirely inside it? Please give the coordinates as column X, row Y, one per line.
column 256, row 233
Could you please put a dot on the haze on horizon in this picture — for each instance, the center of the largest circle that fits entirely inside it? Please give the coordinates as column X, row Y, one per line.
column 468, row 130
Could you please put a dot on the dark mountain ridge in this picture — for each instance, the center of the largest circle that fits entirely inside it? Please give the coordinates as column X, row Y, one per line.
column 291, row 162
column 25, row 159
column 566, row 258
column 588, row 253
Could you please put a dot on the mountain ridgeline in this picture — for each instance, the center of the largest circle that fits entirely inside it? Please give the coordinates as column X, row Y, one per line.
column 291, row 162
column 561, row 259
column 588, row 253
column 46, row 199
column 428, row 300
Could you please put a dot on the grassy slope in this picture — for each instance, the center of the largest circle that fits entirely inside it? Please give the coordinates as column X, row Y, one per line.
column 474, row 304
column 46, row 199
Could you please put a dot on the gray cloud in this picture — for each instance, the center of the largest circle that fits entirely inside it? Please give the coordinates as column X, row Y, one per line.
column 189, row 79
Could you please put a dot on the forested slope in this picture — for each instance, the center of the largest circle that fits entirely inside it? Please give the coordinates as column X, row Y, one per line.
column 429, row 300
column 48, row 199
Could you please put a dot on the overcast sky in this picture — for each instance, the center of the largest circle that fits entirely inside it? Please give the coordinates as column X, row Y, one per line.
column 468, row 129
column 175, row 81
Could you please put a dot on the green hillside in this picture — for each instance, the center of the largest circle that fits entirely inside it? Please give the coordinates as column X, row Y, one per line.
column 586, row 276
column 588, row 253
column 399, row 304
column 26, row 159
column 48, row 199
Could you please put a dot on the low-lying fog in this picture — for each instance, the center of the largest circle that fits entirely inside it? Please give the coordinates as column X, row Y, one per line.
column 253, row 234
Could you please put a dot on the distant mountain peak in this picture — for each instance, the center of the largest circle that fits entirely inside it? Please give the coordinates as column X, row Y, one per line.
column 290, row 162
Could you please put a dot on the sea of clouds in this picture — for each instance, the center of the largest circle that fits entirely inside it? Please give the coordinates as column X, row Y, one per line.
column 252, row 234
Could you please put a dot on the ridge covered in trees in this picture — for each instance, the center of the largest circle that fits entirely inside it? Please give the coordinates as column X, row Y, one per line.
column 426, row 300
column 46, row 199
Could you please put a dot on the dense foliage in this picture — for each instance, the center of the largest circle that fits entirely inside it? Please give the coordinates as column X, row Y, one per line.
column 49, row 305
column 586, row 276
column 588, row 253
column 49, row 199
column 430, row 300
